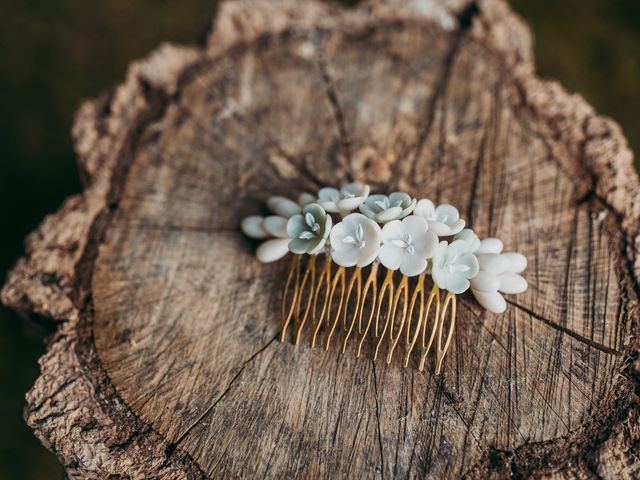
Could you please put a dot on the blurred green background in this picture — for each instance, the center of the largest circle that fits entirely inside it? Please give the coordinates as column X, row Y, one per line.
column 54, row 53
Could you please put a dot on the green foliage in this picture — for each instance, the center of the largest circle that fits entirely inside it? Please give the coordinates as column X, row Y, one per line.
column 592, row 47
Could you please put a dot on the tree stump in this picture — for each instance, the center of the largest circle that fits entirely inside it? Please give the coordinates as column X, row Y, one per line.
column 165, row 361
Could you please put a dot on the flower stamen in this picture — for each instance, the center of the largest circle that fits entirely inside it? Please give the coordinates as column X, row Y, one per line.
column 311, row 222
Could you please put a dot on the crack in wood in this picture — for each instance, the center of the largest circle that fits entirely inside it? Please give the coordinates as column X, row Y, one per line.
column 465, row 18
column 226, row 390
column 375, row 387
column 338, row 114
column 563, row 329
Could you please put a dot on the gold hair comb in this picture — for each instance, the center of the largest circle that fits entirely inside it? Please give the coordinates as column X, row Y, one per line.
column 436, row 256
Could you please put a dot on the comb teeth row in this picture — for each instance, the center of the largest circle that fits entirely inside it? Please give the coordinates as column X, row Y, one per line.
column 349, row 305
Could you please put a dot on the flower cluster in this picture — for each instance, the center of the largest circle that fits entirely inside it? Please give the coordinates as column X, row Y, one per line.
column 400, row 232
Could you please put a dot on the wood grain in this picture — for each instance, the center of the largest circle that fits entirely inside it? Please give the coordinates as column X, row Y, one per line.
column 166, row 361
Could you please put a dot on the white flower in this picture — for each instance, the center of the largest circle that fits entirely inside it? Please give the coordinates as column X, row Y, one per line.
column 355, row 241
column 348, row 198
column 453, row 265
column 407, row 245
column 498, row 274
column 444, row 220
column 384, row 209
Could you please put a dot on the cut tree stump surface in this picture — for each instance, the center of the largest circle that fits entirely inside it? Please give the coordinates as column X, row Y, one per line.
column 165, row 362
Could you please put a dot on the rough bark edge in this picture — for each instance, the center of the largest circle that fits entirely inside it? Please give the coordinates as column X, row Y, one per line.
column 97, row 435
column 72, row 407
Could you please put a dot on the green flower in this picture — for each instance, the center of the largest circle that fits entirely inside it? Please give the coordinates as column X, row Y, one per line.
column 309, row 230
column 383, row 209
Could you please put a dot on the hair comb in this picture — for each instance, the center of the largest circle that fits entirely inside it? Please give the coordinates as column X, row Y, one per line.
column 343, row 282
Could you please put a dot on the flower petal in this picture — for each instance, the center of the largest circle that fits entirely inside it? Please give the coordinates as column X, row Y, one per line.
column 490, row 245
column 305, row 199
column 400, row 199
column 426, row 246
column 330, row 207
column 492, row 301
column 439, row 275
column 516, row 262
column 425, row 208
column 457, row 247
column 300, row 245
column 415, row 226
column 391, row 257
column 276, row 226
column 439, row 228
column 345, row 258
column 470, row 237
column 283, row 206
column 372, row 236
column 413, row 265
column 365, row 209
column 371, row 230
column 338, row 233
column 449, row 212
column 296, row 225
column 328, row 194
column 512, row 283
column 315, row 209
column 495, row 263
column 325, row 229
column 457, row 284
column 319, row 248
column 389, row 214
column 252, row 227
column 357, row 189
column 348, row 204
column 457, row 226
column 272, row 250
column 393, row 230
column 410, row 208
column 469, row 260
column 328, row 197
column 485, row 282
column 369, row 253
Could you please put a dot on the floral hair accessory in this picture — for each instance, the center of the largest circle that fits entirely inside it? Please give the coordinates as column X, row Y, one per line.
column 427, row 244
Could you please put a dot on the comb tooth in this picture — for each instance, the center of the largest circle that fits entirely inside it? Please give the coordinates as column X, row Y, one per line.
column 402, row 291
column 288, row 309
column 426, row 345
column 450, row 300
column 308, row 277
column 370, row 284
column 338, row 279
column 413, row 338
column 387, row 286
column 325, row 279
column 429, row 323
column 356, row 279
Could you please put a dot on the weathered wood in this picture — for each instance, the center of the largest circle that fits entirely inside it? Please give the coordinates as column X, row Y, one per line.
column 165, row 361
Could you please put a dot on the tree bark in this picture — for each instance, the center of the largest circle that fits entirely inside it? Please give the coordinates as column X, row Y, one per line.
column 165, row 361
